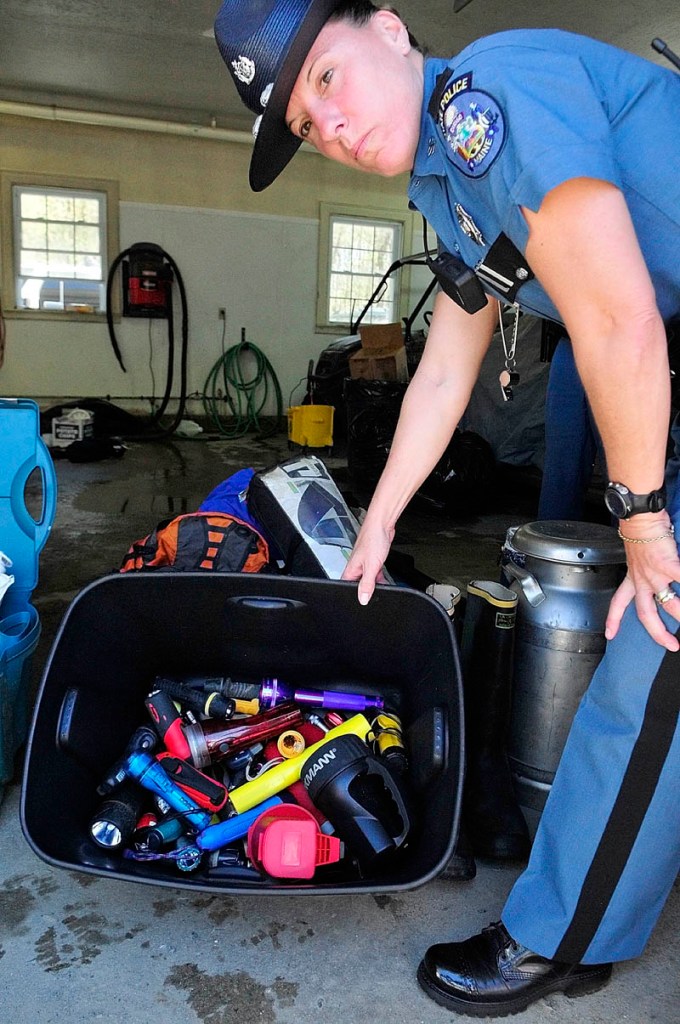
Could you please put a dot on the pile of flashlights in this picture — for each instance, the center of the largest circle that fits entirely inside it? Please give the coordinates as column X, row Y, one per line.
column 245, row 781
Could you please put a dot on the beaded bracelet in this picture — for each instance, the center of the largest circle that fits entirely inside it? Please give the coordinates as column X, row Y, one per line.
column 670, row 532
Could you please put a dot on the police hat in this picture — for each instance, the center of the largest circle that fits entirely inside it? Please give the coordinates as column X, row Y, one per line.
column 264, row 44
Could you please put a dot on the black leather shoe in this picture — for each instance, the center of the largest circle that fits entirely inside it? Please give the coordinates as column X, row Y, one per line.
column 491, row 975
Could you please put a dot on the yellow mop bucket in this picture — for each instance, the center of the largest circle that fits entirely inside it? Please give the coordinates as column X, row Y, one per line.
column 311, row 426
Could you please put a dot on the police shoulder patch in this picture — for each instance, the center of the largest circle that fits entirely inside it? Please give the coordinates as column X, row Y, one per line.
column 472, row 124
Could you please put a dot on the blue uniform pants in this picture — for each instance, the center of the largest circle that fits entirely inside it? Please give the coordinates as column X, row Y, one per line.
column 607, row 849
column 571, row 440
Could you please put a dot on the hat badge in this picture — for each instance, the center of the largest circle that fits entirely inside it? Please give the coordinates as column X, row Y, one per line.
column 244, row 69
column 266, row 95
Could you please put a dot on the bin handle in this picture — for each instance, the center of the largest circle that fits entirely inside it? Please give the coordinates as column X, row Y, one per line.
column 65, row 720
column 49, row 482
column 13, row 629
column 37, row 529
column 269, row 604
column 529, row 584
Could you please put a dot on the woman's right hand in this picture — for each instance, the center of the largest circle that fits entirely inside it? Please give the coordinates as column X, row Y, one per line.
column 368, row 558
column 434, row 402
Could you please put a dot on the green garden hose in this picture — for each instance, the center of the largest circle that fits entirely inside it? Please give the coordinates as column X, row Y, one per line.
column 242, row 397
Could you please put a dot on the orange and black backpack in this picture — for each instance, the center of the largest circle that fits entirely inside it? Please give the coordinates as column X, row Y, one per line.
column 212, row 541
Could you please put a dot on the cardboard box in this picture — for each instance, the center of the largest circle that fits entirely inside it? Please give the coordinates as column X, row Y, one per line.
column 382, row 355
column 74, row 426
column 381, row 339
column 390, row 366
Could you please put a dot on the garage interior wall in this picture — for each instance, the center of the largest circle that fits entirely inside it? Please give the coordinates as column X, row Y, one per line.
column 254, row 255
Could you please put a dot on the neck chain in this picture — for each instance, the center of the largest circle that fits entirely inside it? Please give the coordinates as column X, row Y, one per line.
column 508, row 376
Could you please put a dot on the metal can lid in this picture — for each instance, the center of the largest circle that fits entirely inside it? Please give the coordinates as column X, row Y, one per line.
column 572, row 543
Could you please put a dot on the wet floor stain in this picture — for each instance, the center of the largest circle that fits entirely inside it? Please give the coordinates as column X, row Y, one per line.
column 223, row 909
column 160, row 491
column 217, row 909
column 117, row 498
column 15, row 906
column 42, row 885
column 306, row 934
column 162, row 908
column 286, row 992
column 79, row 939
column 47, row 953
column 17, row 898
column 83, row 880
column 299, row 931
column 271, row 932
column 389, row 903
column 232, row 997
column 163, row 480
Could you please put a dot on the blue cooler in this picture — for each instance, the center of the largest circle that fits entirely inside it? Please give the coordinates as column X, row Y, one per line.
column 22, row 538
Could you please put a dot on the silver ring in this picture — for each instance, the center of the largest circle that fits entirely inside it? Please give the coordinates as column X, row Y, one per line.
column 664, row 596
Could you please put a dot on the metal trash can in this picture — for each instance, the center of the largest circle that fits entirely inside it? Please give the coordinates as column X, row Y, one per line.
column 565, row 574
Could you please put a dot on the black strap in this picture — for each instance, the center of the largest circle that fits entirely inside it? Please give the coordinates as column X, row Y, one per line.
column 438, row 91
column 504, row 268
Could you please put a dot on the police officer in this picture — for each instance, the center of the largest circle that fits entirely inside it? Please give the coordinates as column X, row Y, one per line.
column 548, row 163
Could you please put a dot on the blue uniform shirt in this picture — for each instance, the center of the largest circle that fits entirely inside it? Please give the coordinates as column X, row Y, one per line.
column 516, row 114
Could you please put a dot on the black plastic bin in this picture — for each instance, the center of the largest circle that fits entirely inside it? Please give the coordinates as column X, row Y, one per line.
column 123, row 630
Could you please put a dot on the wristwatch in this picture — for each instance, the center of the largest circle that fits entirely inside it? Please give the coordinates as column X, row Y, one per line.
column 623, row 504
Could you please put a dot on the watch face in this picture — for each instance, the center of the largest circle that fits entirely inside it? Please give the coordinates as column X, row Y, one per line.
column 615, row 502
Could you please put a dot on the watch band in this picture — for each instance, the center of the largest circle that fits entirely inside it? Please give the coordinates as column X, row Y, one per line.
column 623, row 503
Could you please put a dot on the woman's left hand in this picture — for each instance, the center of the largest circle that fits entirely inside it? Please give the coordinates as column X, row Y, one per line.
column 652, row 569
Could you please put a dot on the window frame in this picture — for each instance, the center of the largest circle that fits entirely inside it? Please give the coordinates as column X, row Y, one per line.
column 26, row 179
column 387, row 215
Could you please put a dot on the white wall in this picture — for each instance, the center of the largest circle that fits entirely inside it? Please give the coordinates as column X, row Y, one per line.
column 261, row 269
column 256, row 256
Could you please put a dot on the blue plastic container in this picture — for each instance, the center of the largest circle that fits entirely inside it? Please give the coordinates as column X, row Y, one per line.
column 22, row 538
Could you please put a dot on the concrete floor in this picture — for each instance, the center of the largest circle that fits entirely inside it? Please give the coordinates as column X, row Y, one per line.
column 80, row 948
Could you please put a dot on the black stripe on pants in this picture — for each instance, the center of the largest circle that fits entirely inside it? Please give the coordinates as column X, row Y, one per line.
column 637, row 789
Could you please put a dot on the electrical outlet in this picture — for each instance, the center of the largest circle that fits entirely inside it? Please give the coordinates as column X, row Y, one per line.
column 221, row 313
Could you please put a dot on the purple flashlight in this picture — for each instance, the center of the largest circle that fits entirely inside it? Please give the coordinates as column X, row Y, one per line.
column 273, row 692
